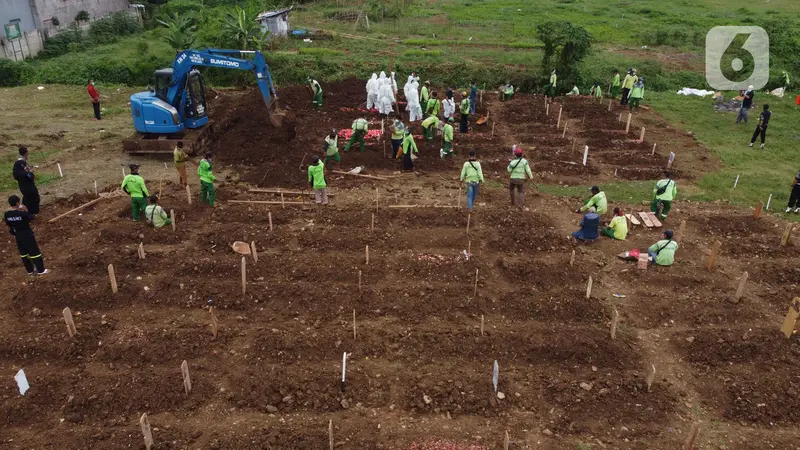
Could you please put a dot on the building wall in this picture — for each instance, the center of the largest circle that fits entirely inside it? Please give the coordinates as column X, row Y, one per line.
column 66, row 10
column 30, row 44
column 16, row 9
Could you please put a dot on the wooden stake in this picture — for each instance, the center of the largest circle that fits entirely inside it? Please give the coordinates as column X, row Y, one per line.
column 330, row 434
column 671, row 159
column 547, row 109
column 70, row 322
column 787, row 234
column 187, row 382
column 372, row 224
column 244, row 275
column 614, row 323
column 112, row 278
column 354, row 324
column 759, row 208
column 144, row 424
column 689, row 444
column 469, row 249
column 283, row 202
column 505, row 441
column 620, row 118
column 376, row 199
column 641, row 136
column 384, row 149
column 558, row 123
column 564, row 134
column 366, row 252
column 188, row 194
column 482, row 324
column 572, row 258
column 609, row 105
column 160, row 183
column 681, row 229
column 269, row 217
column 475, row 291
column 574, row 143
column 791, row 318
column 253, row 251
column 651, row 376
column 585, row 155
column 742, row 285
column 469, row 218
column 628, row 124
column 172, row 218
column 712, row 259
column 60, row 173
column 492, row 129
column 214, row 322
column 589, row 288
column 654, row 150
column 141, row 250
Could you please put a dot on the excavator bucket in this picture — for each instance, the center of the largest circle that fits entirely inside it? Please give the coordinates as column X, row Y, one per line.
column 281, row 118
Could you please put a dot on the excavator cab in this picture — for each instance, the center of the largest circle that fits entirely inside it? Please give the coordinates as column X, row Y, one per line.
column 195, row 113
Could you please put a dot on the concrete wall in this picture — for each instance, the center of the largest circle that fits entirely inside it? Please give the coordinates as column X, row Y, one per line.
column 66, row 10
column 16, row 9
column 30, row 44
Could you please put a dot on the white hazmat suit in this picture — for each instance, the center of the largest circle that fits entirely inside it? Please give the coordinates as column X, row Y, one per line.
column 449, row 107
column 414, row 108
column 372, row 92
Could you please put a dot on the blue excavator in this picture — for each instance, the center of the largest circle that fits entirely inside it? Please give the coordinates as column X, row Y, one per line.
column 175, row 109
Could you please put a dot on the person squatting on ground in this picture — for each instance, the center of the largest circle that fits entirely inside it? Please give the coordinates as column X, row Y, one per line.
column 615, row 85
column 598, row 201
column 372, row 92
column 637, row 93
column 506, row 91
column 19, row 220
column 397, row 138
column 316, row 92
column 519, row 171
column 180, row 157
column 447, row 139
column 472, row 175
column 206, row 172
column 331, row 148
column 409, row 147
column 95, row 96
column 26, row 180
column 590, row 224
column 133, row 185
column 794, row 197
column 574, row 91
column 155, row 214
column 464, row 108
column 316, row 178
column 429, row 127
column 664, row 193
column 747, row 103
column 360, row 128
column 662, row 252
column 618, row 227
column 761, row 128
column 627, row 85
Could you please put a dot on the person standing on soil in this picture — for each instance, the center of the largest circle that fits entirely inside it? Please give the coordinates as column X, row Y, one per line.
column 95, row 98
column 432, row 107
column 26, row 180
column 615, row 84
column 473, row 97
column 662, row 252
column 448, row 108
column 590, row 224
column 447, row 138
column 618, row 227
column 397, row 138
column 472, row 175
column 386, row 97
column 206, row 172
column 429, row 127
column 409, row 147
column 316, row 177
column 519, row 171
column 664, row 192
column 413, row 106
column 316, row 92
column 637, row 93
column 464, row 108
column 761, row 128
column 747, row 103
column 550, row 89
column 372, row 92
column 180, row 157
column 598, row 202
column 155, row 214
column 19, row 220
column 332, row 148
column 133, row 185
column 424, row 94
column 627, row 85
column 794, row 197
column 360, row 128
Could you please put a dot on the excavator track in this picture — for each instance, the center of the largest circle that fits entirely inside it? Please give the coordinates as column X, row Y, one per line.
column 195, row 142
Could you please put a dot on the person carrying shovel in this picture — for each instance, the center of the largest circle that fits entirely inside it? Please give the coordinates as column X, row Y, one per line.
column 360, row 128
column 519, row 171
column 133, row 185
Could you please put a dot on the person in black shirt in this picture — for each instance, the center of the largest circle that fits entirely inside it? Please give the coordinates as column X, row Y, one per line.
column 25, row 177
column 19, row 220
column 747, row 103
column 761, row 128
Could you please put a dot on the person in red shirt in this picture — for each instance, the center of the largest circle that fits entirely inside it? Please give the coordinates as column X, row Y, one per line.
column 95, row 99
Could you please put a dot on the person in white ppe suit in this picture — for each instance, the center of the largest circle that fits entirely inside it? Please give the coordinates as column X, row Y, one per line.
column 414, row 108
column 385, row 95
column 449, row 106
column 372, row 92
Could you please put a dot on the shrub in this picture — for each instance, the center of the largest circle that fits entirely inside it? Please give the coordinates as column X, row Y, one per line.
column 82, row 16
column 111, row 29
column 319, row 51
column 420, row 52
column 13, row 73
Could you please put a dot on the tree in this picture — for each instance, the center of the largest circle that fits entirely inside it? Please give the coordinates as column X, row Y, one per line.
column 241, row 30
column 82, row 16
column 568, row 44
column 180, row 31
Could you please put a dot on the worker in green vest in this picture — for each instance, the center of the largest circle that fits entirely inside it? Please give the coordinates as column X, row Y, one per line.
column 432, row 107
column 627, row 85
column 409, row 147
column 429, row 126
column 550, row 89
column 155, row 214
column 133, row 185
column 332, row 148
column 316, row 91
column 424, row 94
column 447, row 137
column 397, row 138
column 664, row 193
column 206, row 173
column 598, row 202
column 360, row 128
column 519, row 170
column 464, row 108
column 615, row 84
column 637, row 93
column 316, row 177
column 596, row 91
column 662, row 252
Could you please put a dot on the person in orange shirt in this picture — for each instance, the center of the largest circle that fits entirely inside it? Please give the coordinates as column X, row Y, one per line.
column 95, row 98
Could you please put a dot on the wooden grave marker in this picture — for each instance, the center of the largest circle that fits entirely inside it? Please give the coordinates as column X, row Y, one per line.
column 628, row 124
column 712, row 259
column 214, row 322
column 269, row 217
column 572, row 258
column 253, row 251
column 681, row 230
column 172, row 218
column 506, row 441
column 188, row 194
column 366, row 254
column 482, row 323
column 112, row 277
column 475, row 291
column 692, row 437
column 787, row 235
column 140, row 249
column 641, row 136
column 614, row 323
column 589, row 288
column 70, row 322
column 759, row 208
column 651, row 375
column 558, row 124
column 144, row 424
column 791, row 318
column 244, row 275
column 354, row 324
column 740, row 289
column 643, row 261
column 187, row 381
column 330, row 434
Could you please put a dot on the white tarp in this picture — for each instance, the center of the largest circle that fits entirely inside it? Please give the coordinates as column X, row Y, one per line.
column 698, row 92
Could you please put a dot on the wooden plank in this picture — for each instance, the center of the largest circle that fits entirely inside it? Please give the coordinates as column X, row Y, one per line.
column 633, row 219
column 646, row 219
column 266, row 202
column 279, row 191
column 85, row 205
column 643, row 261
column 791, row 318
column 654, row 219
column 423, row 206
column 372, row 177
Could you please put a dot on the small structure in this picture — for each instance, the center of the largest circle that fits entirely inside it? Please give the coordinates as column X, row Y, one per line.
column 276, row 22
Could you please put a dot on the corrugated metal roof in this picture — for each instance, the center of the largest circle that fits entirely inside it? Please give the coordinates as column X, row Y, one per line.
column 268, row 14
